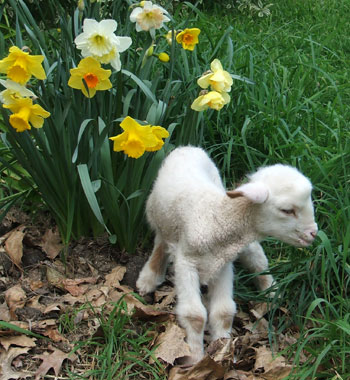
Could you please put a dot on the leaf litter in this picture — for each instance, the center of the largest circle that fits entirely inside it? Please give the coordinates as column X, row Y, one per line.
column 47, row 295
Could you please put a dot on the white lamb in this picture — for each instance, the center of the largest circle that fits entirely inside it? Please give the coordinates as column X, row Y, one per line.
column 202, row 229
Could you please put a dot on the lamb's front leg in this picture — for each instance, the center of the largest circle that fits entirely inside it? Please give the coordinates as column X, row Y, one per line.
column 153, row 272
column 254, row 259
column 190, row 310
column 222, row 307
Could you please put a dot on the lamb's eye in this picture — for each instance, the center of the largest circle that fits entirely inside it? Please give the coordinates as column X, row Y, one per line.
column 288, row 211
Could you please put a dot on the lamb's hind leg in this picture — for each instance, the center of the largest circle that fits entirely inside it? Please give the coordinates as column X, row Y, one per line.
column 222, row 307
column 254, row 259
column 153, row 272
column 190, row 310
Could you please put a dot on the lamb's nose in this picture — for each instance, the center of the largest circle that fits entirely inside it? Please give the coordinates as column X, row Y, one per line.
column 313, row 234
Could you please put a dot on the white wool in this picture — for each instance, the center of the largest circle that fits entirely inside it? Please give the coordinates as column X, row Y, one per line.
column 203, row 228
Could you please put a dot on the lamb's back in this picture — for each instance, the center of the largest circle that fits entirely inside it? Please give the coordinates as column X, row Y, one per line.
column 186, row 180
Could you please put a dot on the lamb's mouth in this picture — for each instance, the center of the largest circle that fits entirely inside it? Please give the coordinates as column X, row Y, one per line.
column 304, row 242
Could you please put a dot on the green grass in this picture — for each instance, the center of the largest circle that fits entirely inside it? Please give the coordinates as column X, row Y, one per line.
column 297, row 113
column 118, row 349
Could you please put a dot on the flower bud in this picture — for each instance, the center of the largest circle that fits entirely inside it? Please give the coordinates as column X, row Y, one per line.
column 81, row 5
column 163, row 57
column 149, row 51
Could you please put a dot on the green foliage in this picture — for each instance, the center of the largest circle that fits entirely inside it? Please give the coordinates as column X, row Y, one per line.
column 86, row 186
column 120, row 349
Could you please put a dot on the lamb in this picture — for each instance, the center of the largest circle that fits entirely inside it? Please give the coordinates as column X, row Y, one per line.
column 203, row 229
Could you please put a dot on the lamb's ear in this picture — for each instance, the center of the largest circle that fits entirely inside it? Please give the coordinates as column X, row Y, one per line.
column 255, row 191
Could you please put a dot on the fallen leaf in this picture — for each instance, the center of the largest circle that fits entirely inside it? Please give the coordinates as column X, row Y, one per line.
column 54, row 277
column 53, row 360
column 15, row 298
column 17, row 340
column 222, row 350
column 14, row 245
column 270, row 368
column 75, row 287
column 6, row 358
column 51, row 243
column 148, row 313
column 53, row 334
column 171, row 344
column 5, row 313
column 206, row 369
column 35, row 285
column 239, row 375
column 113, row 279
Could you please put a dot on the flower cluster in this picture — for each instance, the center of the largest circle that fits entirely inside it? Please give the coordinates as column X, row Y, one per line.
column 220, row 82
column 19, row 66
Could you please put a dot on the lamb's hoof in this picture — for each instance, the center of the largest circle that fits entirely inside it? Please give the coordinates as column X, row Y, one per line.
column 145, row 286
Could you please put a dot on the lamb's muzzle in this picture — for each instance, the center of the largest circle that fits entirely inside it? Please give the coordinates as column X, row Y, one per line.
column 202, row 229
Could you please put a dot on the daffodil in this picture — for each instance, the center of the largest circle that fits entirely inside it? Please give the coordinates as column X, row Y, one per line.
column 149, row 17
column 20, row 66
column 25, row 114
column 188, row 38
column 99, row 41
column 169, row 36
column 212, row 99
column 217, row 78
column 90, row 74
column 137, row 138
column 163, row 57
column 160, row 133
column 13, row 92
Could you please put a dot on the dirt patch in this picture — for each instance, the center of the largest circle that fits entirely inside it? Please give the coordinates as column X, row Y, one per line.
column 57, row 292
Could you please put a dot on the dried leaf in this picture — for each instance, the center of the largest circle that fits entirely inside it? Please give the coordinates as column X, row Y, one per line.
column 14, row 245
column 6, row 358
column 54, row 277
column 5, row 313
column 17, row 340
column 53, row 360
column 51, row 243
column 270, row 368
column 148, row 313
column 171, row 344
column 113, row 279
column 15, row 298
column 206, row 369
column 75, row 287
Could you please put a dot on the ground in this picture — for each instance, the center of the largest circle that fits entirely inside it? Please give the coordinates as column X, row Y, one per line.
column 60, row 296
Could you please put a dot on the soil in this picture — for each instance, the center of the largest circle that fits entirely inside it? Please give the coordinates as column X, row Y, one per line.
column 39, row 285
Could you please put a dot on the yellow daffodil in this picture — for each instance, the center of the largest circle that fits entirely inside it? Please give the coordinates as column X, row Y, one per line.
column 159, row 133
column 90, row 74
column 163, row 57
column 137, row 138
column 99, row 41
column 149, row 17
column 19, row 66
column 218, row 79
column 13, row 92
column 212, row 99
column 188, row 38
column 25, row 114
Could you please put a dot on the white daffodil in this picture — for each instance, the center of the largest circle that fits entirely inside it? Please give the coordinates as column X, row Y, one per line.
column 149, row 17
column 13, row 92
column 99, row 41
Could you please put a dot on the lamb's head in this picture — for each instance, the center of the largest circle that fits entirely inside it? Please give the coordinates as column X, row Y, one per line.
column 283, row 203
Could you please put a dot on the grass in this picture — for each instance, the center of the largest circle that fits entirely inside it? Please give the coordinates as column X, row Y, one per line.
column 297, row 113
column 118, row 349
